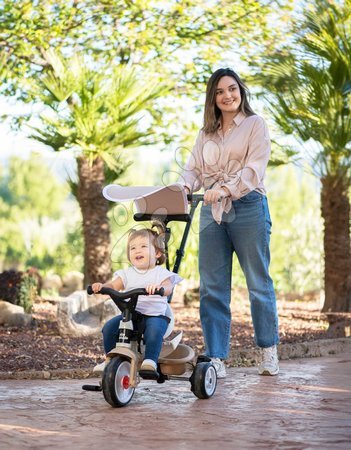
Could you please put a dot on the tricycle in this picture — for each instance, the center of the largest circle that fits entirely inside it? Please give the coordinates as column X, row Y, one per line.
column 121, row 374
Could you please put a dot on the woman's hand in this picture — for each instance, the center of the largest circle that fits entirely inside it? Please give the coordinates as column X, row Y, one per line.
column 214, row 195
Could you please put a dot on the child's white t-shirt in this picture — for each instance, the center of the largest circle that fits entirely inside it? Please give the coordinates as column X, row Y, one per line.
column 151, row 305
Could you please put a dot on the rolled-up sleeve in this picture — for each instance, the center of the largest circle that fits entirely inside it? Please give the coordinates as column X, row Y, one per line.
column 255, row 163
column 191, row 176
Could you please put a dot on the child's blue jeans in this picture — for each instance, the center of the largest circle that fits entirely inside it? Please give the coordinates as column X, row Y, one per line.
column 155, row 329
column 245, row 230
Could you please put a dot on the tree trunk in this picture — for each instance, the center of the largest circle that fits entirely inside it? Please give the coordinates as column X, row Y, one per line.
column 96, row 228
column 337, row 247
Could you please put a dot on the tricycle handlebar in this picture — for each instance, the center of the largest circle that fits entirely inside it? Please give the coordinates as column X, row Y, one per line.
column 124, row 295
column 120, row 298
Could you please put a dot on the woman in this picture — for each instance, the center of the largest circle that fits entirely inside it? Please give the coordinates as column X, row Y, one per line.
column 229, row 161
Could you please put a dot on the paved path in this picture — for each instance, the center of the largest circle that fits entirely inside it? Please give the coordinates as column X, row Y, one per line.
column 308, row 406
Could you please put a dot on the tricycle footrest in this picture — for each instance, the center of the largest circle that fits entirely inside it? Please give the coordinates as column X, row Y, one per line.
column 91, row 387
column 149, row 374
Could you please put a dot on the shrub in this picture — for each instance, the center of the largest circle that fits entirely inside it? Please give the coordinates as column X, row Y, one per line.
column 19, row 288
column 27, row 292
column 10, row 281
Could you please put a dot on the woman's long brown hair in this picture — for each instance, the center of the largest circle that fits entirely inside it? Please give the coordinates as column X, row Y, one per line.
column 212, row 113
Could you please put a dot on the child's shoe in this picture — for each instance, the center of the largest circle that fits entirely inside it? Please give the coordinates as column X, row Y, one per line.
column 269, row 361
column 99, row 368
column 148, row 370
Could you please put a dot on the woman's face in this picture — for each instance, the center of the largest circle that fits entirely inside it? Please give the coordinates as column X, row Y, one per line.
column 228, row 98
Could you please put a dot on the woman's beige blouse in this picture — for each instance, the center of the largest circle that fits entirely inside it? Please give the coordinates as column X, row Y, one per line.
column 238, row 161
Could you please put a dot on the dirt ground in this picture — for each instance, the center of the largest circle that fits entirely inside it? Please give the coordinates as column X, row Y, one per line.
column 42, row 348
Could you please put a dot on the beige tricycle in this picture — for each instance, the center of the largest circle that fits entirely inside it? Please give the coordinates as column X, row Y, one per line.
column 121, row 374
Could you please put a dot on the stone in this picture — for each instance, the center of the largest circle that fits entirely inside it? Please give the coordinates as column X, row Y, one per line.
column 52, row 282
column 81, row 315
column 14, row 315
column 72, row 281
column 339, row 324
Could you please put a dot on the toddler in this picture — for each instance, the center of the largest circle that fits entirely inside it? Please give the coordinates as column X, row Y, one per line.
column 146, row 253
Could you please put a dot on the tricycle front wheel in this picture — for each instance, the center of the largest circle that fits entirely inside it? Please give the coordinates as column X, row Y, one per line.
column 204, row 380
column 115, row 382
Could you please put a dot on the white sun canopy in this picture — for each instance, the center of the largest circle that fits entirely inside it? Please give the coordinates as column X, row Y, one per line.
column 154, row 200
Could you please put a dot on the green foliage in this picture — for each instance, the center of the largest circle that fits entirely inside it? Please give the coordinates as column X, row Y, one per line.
column 30, row 199
column 27, row 186
column 27, row 292
column 282, row 154
column 309, row 83
column 69, row 254
column 182, row 38
column 19, row 288
column 98, row 112
column 296, row 242
column 11, row 238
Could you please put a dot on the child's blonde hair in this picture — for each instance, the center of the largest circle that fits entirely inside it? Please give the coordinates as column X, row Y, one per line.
column 157, row 239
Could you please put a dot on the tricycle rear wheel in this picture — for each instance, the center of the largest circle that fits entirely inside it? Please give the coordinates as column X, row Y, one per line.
column 115, row 382
column 204, row 380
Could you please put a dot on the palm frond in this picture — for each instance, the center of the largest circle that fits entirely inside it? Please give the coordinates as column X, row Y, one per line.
column 309, row 84
column 100, row 112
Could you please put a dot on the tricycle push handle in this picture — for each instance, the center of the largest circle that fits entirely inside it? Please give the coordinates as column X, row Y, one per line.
column 198, row 198
column 195, row 197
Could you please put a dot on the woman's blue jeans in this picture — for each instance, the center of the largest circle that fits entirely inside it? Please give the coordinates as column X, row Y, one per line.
column 245, row 230
column 155, row 329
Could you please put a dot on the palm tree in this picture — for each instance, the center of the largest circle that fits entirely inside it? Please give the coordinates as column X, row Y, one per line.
column 96, row 113
column 309, row 84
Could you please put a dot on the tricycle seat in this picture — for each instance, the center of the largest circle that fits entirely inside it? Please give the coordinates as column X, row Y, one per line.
column 175, row 362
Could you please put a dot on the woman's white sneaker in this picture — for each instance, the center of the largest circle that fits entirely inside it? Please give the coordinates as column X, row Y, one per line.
column 220, row 367
column 268, row 364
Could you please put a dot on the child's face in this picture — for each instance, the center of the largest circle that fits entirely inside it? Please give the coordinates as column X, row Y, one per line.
column 142, row 253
